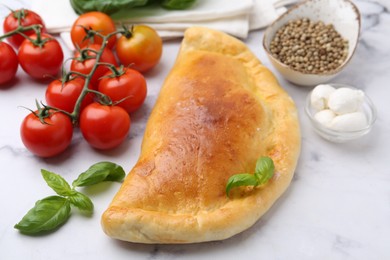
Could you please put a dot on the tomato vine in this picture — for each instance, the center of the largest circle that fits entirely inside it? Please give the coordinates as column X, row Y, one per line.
column 95, row 82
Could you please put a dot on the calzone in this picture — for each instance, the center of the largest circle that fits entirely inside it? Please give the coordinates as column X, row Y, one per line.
column 218, row 111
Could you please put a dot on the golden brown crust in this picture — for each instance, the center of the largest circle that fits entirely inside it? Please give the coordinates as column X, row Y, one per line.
column 218, row 111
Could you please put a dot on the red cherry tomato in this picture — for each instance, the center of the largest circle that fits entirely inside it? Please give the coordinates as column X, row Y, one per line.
column 27, row 18
column 8, row 63
column 143, row 48
column 40, row 62
column 64, row 96
column 104, row 127
column 86, row 66
column 98, row 22
column 129, row 87
column 46, row 140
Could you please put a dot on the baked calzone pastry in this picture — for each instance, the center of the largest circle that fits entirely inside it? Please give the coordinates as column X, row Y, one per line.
column 218, row 111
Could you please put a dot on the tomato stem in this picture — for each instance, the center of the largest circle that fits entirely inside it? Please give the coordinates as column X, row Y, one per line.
column 46, row 111
column 116, row 72
column 84, row 54
column 20, row 31
column 65, row 77
column 103, row 98
column 128, row 33
column 121, row 100
column 20, row 14
column 77, row 108
column 89, row 34
column 77, row 73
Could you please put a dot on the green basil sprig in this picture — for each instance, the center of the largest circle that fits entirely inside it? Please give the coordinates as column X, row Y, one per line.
column 113, row 6
column 46, row 215
column 103, row 171
column 52, row 212
column 264, row 171
column 177, row 4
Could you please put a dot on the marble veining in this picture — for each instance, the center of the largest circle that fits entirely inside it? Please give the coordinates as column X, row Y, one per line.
column 337, row 207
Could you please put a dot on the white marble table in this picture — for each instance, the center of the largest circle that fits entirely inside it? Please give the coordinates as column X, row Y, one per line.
column 337, row 207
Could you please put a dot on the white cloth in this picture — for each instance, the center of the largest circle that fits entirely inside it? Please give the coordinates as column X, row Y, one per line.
column 236, row 17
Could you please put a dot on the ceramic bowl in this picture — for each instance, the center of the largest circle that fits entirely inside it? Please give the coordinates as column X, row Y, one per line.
column 345, row 17
column 368, row 108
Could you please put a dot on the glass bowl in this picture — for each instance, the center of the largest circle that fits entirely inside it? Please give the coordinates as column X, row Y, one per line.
column 336, row 136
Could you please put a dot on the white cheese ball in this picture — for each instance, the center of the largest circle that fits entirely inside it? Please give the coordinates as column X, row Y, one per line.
column 325, row 117
column 320, row 95
column 345, row 100
column 349, row 122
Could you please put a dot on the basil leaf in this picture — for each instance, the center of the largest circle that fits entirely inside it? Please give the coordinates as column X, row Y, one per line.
column 113, row 6
column 264, row 169
column 82, row 202
column 108, row 7
column 177, row 4
column 47, row 214
column 57, row 183
column 243, row 179
column 99, row 172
